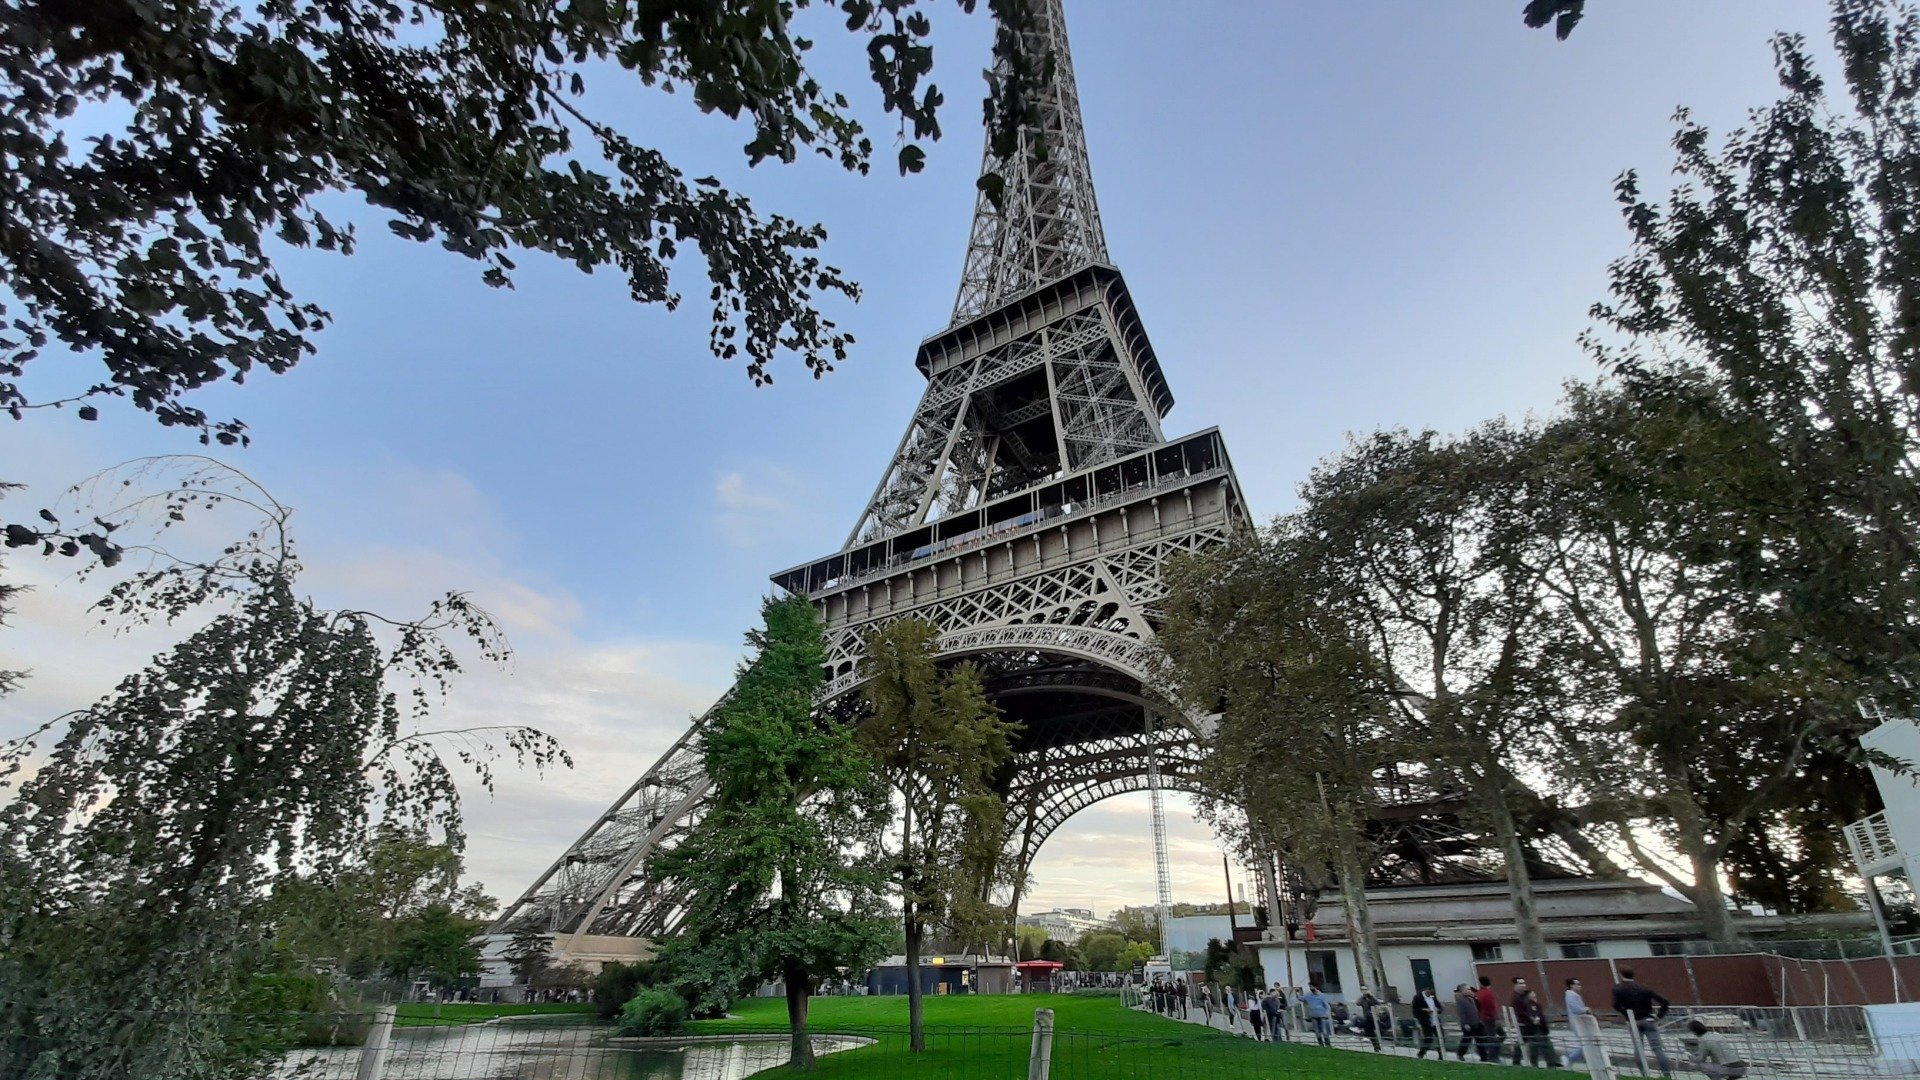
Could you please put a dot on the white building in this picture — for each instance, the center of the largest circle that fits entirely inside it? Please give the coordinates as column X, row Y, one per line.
column 1064, row 925
column 1888, row 842
column 1433, row 935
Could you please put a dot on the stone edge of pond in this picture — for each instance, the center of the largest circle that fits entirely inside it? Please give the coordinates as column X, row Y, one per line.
column 688, row 1040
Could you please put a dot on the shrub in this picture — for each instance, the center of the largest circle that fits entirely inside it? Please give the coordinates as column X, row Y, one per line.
column 617, row 983
column 654, row 1011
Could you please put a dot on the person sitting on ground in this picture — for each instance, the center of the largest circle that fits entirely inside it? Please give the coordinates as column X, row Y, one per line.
column 1714, row 1055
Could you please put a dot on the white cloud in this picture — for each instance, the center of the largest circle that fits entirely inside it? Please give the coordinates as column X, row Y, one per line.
column 756, row 504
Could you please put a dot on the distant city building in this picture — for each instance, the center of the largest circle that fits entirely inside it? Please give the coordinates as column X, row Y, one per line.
column 1064, row 924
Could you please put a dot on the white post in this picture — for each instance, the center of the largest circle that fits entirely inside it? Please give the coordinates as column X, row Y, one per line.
column 1639, row 1051
column 373, row 1056
column 1593, row 1049
column 1040, row 1058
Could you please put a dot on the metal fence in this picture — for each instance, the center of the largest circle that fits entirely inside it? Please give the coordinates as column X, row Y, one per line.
column 359, row 1046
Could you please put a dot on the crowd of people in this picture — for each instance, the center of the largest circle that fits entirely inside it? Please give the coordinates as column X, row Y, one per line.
column 1480, row 1019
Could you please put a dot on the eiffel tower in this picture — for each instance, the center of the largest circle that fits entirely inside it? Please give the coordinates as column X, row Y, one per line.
column 1026, row 513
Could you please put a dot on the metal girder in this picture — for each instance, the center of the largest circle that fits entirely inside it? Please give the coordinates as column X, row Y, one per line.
column 1047, row 223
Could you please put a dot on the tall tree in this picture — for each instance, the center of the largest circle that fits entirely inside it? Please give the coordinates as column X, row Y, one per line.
column 1411, row 537
column 1251, row 638
column 152, row 244
column 941, row 745
column 139, row 850
column 356, row 919
column 1686, row 715
column 1779, row 283
column 783, row 875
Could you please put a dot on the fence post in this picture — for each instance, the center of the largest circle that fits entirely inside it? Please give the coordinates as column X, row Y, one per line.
column 1040, row 1058
column 1592, row 1047
column 1639, row 1051
column 373, row 1056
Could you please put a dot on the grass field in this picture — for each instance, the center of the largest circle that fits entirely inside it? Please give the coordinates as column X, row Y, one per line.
column 427, row 1014
column 1096, row 1038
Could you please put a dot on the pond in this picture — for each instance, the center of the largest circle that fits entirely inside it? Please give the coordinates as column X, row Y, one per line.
column 551, row 1049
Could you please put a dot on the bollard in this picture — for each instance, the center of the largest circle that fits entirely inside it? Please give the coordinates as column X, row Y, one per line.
column 373, row 1056
column 1593, row 1049
column 1040, row 1058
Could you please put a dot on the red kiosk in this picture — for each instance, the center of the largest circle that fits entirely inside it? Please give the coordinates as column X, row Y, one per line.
column 1037, row 975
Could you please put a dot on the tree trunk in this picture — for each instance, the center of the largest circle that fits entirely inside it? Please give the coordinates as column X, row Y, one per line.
column 1353, row 889
column 916, row 1022
column 1526, row 914
column 1707, row 895
column 798, row 985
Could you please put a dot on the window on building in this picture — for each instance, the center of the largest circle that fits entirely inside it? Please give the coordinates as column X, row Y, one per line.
column 1578, row 950
column 1666, row 947
column 1323, row 969
column 1485, row 951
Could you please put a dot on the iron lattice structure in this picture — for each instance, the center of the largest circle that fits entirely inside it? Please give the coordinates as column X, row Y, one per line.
column 1026, row 513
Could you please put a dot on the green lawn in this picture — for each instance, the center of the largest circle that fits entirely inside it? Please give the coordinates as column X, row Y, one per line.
column 427, row 1014
column 1097, row 1038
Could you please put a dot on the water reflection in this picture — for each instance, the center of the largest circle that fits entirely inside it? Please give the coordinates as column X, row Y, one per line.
column 507, row 1050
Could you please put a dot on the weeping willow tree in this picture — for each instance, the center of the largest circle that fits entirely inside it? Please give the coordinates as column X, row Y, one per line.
column 144, row 835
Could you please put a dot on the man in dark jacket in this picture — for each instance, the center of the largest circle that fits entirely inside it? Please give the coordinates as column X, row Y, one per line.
column 1644, row 1008
column 1426, row 1014
column 1468, row 1011
column 1531, row 1019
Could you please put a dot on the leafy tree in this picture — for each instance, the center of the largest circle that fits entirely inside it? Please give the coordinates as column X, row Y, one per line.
column 1665, row 650
column 782, row 874
column 529, row 956
column 1100, row 950
column 1563, row 14
column 1138, row 924
column 139, row 851
column 1251, row 635
column 355, row 920
column 941, row 744
column 1776, row 286
column 1134, row 955
column 1056, row 951
column 618, row 982
column 153, row 245
column 435, row 944
column 1413, row 544
column 1028, row 941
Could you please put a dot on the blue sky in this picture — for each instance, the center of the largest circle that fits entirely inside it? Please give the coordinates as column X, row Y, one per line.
column 1334, row 217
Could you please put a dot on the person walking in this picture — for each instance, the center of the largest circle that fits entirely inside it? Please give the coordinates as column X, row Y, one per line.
column 1426, row 1015
column 1466, row 1010
column 1256, row 1017
column 1576, row 1008
column 1273, row 1004
column 1491, row 1037
column 1713, row 1055
column 1232, row 1002
column 1181, row 991
column 1319, row 1014
column 1644, row 1008
column 1206, row 1002
column 1369, row 1018
column 1531, row 1019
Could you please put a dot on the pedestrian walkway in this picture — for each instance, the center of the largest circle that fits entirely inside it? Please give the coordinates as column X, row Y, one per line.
column 1343, row 1039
